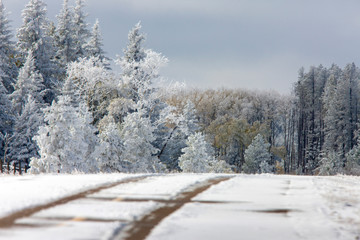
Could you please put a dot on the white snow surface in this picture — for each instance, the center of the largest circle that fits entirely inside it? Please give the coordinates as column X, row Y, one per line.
column 20, row 192
column 269, row 207
column 244, row 207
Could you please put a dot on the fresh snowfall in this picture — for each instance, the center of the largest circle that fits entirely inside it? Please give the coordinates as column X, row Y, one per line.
column 87, row 152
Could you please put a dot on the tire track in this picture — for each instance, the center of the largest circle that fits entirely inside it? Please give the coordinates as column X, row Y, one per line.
column 9, row 220
column 139, row 230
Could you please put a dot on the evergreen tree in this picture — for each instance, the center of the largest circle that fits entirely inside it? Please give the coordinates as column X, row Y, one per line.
column 64, row 32
column 94, row 47
column 197, row 157
column 33, row 36
column 137, row 135
column 6, row 117
column 257, row 157
column 331, row 164
column 111, row 146
column 29, row 83
column 67, row 141
column 7, row 52
column 80, row 31
column 22, row 145
column 139, row 67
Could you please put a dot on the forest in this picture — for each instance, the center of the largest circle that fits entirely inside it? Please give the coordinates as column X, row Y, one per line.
column 64, row 110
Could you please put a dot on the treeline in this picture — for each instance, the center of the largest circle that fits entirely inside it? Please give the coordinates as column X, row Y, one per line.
column 62, row 109
column 314, row 131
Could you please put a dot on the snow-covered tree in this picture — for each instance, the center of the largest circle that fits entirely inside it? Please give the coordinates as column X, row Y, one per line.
column 94, row 84
column 172, row 132
column 7, row 51
column 353, row 160
column 64, row 36
column 6, row 117
column 33, row 36
column 29, row 83
column 140, row 67
column 111, row 147
column 67, row 141
column 197, row 156
column 81, row 32
column 137, row 134
column 22, row 145
column 257, row 157
column 331, row 163
column 94, row 47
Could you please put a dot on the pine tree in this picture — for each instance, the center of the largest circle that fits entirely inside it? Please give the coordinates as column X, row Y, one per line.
column 331, row 164
column 29, row 83
column 94, row 47
column 7, row 52
column 80, row 31
column 257, row 157
column 67, row 141
column 137, row 134
column 33, row 36
column 196, row 156
column 22, row 145
column 64, row 32
column 6, row 117
column 111, row 146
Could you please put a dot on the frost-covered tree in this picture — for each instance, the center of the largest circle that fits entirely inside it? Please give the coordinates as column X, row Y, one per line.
column 257, row 157
column 81, row 32
column 94, row 48
column 22, row 145
column 7, row 51
column 352, row 165
column 173, row 130
column 6, row 117
column 64, row 36
column 33, row 36
column 331, row 164
column 29, row 83
column 196, row 156
column 139, row 67
column 139, row 153
column 67, row 141
column 94, row 84
column 111, row 147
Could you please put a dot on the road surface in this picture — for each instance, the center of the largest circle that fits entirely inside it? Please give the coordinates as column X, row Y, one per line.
column 182, row 206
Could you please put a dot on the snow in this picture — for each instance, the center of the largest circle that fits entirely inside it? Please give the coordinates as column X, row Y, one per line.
column 243, row 207
column 20, row 192
column 163, row 187
column 275, row 207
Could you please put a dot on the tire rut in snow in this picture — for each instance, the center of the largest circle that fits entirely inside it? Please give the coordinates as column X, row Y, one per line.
column 9, row 220
column 140, row 229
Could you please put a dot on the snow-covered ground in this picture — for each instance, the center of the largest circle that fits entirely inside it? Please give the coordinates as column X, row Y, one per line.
column 243, row 207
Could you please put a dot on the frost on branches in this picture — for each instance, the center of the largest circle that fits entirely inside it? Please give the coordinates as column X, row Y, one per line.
column 257, row 157
column 139, row 153
column 67, row 141
column 197, row 157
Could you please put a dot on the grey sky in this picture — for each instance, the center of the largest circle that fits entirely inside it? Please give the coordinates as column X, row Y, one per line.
column 253, row 44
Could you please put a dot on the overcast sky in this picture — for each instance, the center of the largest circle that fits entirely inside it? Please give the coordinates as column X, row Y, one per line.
column 252, row 44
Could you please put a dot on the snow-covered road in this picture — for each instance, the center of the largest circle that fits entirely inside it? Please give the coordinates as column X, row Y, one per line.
column 235, row 207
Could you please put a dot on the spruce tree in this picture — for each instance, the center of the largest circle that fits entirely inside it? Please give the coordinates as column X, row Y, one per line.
column 81, row 32
column 29, row 83
column 94, row 48
column 257, row 157
column 67, row 142
column 7, row 52
column 64, row 32
column 22, row 145
column 33, row 36
column 196, row 156
column 137, row 135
